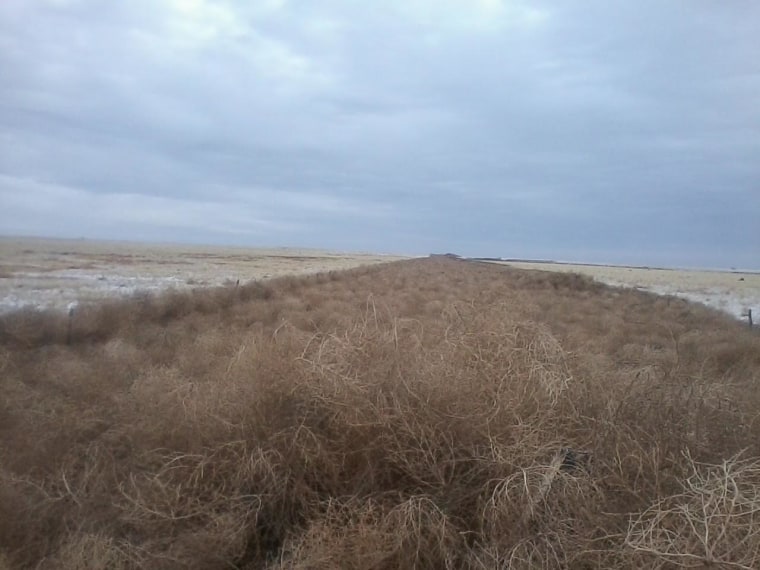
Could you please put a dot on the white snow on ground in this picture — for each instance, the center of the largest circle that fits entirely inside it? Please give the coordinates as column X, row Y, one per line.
column 57, row 289
column 51, row 274
column 733, row 292
column 735, row 303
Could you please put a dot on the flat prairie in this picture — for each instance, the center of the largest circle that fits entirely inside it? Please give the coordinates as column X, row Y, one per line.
column 50, row 273
column 731, row 291
column 420, row 414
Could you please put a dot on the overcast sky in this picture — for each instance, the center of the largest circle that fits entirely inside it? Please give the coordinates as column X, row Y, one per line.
column 602, row 131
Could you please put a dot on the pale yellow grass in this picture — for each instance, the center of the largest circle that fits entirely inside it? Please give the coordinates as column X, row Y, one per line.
column 50, row 273
column 729, row 291
column 424, row 414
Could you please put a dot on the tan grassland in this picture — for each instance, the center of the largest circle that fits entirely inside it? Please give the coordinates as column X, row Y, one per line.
column 51, row 273
column 731, row 291
column 420, row 414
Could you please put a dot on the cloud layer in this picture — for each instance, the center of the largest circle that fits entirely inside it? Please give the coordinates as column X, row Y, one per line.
column 591, row 131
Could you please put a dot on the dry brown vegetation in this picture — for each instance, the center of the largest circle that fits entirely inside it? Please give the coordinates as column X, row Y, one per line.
column 420, row 414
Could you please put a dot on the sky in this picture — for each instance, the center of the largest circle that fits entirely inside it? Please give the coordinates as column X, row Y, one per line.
column 576, row 130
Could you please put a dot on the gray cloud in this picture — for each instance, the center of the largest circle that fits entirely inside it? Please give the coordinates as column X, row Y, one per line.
column 592, row 131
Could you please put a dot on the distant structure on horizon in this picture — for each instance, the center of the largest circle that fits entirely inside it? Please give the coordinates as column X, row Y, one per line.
column 446, row 255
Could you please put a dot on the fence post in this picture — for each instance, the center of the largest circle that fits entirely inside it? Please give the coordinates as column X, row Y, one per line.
column 72, row 308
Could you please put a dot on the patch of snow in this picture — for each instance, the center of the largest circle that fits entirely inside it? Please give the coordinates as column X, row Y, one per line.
column 735, row 303
column 65, row 289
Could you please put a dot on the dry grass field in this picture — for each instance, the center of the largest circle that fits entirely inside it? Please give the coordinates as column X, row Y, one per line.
column 731, row 291
column 50, row 273
column 426, row 414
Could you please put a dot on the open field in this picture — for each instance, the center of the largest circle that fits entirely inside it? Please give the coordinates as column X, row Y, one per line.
column 48, row 273
column 426, row 414
column 731, row 291
column 51, row 273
